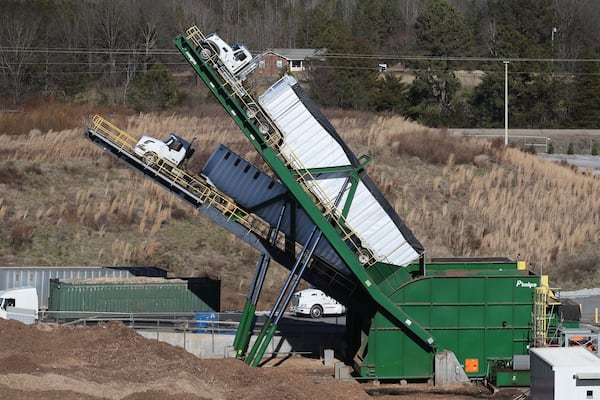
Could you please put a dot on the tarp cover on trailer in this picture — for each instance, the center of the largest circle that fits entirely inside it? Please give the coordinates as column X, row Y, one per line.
column 310, row 142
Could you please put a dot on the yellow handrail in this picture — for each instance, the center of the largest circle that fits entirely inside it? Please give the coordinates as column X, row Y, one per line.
column 197, row 187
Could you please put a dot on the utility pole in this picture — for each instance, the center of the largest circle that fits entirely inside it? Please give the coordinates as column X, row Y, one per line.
column 506, row 102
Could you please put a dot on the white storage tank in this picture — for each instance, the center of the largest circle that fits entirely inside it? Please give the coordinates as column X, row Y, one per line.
column 564, row 373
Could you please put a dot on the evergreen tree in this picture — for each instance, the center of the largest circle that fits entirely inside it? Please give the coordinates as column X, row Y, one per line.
column 487, row 102
column 521, row 29
column 376, row 20
column 440, row 32
column 154, row 90
column 585, row 104
column 389, row 94
column 343, row 80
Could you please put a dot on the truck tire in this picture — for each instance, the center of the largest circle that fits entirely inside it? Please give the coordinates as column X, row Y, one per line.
column 316, row 311
column 150, row 158
column 207, row 50
column 205, row 53
column 251, row 111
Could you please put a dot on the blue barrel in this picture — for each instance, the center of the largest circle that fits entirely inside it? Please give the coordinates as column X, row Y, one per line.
column 205, row 322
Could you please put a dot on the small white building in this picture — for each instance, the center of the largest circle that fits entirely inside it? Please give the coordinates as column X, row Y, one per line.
column 564, row 373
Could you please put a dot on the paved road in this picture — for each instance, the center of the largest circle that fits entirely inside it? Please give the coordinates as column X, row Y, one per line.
column 582, row 161
column 525, row 132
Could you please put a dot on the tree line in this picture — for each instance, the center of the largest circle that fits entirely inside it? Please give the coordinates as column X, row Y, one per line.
column 447, row 61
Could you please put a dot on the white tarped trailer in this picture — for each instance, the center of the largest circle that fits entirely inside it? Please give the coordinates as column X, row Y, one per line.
column 310, row 142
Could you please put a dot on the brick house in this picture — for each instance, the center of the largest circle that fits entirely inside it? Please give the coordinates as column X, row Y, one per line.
column 273, row 61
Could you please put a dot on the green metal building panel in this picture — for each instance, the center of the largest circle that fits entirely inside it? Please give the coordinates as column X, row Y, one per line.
column 166, row 296
column 392, row 353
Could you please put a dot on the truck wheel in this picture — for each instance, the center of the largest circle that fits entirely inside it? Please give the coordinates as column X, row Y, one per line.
column 207, row 51
column 316, row 311
column 251, row 111
column 197, row 188
column 150, row 158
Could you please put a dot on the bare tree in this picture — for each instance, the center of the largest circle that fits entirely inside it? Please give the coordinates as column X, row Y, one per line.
column 109, row 34
column 17, row 33
column 577, row 28
column 410, row 11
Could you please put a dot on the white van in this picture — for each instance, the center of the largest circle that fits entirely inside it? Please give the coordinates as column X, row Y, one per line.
column 315, row 303
column 20, row 304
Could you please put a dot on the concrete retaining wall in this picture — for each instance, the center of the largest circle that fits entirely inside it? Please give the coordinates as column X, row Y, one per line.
column 206, row 345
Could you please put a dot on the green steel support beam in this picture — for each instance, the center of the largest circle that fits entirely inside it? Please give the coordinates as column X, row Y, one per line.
column 238, row 114
column 259, row 340
column 263, row 345
column 242, row 331
column 242, row 336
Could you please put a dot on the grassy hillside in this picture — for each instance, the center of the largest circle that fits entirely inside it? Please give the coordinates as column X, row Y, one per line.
column 64, row 202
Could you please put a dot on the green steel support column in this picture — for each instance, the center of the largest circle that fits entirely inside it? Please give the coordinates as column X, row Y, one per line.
column 286, row 176
column 243, row 328
column 259, row 340
column 238, row 333
column 242, row 336
column 263, row 346
column 289, row 286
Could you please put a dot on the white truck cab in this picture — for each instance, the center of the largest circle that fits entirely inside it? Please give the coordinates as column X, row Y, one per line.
column 20, row 304
column 236, row 58
column 315, row 303
column 174, row 149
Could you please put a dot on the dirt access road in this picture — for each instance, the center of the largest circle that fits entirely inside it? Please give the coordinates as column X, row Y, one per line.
column 111, row 361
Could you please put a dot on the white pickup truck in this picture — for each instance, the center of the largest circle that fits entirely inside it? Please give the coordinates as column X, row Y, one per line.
column 315, row 303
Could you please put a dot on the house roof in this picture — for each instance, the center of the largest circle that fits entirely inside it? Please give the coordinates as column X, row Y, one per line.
column 296, row 54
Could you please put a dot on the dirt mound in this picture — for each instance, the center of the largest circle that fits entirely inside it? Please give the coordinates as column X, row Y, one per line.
column 111, row 361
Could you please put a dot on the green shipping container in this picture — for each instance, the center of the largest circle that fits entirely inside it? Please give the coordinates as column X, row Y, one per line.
column 136, row 295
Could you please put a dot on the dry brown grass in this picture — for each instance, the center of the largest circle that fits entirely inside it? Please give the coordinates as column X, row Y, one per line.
column 66, row 203
column 45, row 115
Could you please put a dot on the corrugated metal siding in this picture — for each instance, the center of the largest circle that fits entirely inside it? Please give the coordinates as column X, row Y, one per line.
column 164, row 296
column 254, row 190
column 308, row 144
column 39, row 277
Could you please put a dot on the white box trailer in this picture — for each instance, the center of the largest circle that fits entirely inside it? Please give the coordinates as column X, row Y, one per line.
column 564, row 373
